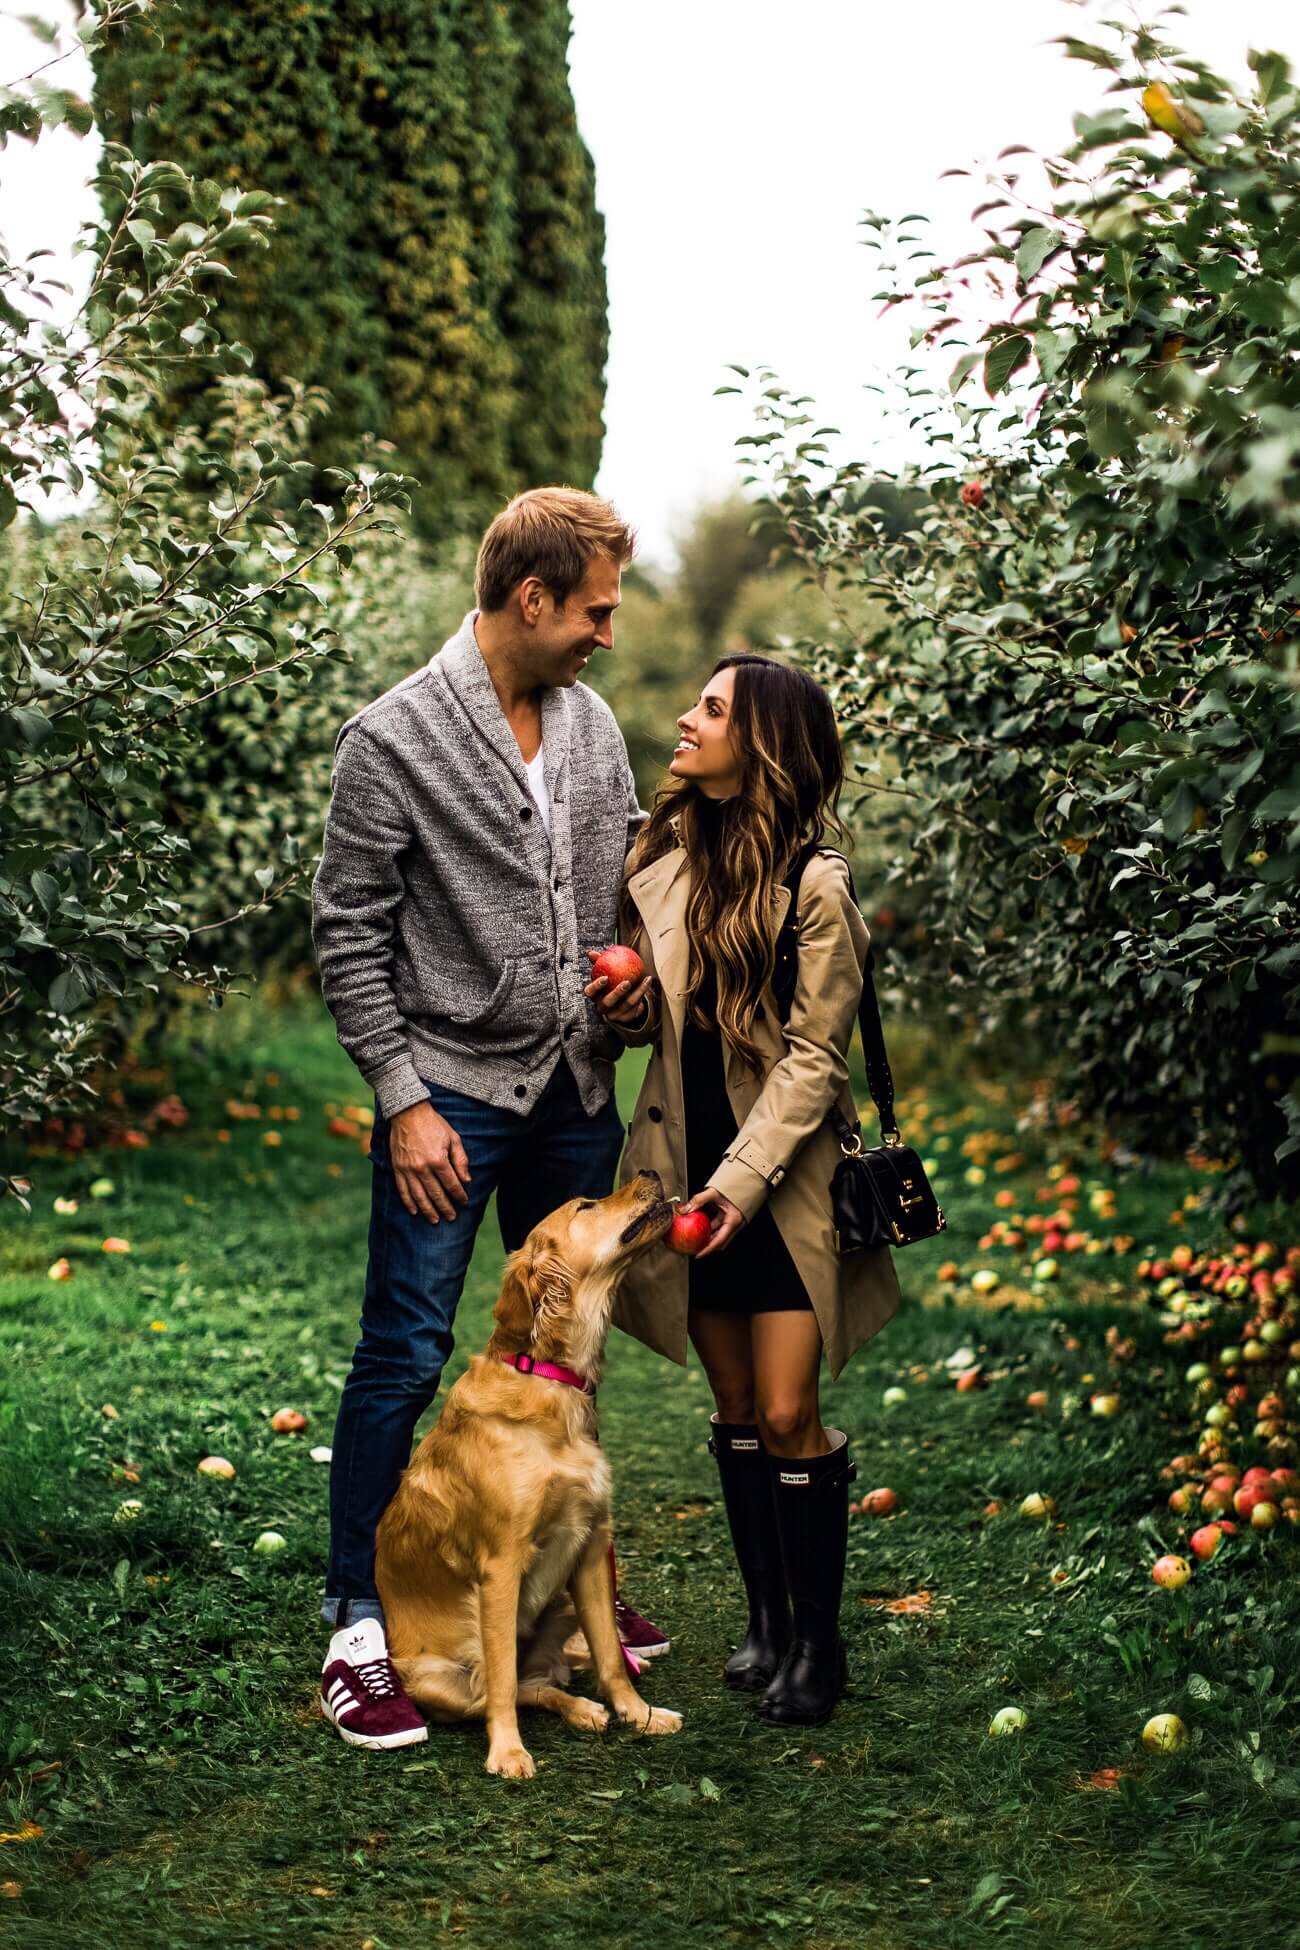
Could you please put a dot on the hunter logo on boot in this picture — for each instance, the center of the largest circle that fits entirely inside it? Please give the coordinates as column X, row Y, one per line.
column 744, row 1442
column 795, row 1476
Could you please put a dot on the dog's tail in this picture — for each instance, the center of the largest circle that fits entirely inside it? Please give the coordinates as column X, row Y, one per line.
column 441, row 1687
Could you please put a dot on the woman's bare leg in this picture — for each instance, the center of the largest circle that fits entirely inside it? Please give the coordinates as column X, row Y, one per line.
column 722, row 1342
column 787, row 1353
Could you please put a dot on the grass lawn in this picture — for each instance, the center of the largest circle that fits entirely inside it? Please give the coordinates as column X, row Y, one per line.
column 169, row 1782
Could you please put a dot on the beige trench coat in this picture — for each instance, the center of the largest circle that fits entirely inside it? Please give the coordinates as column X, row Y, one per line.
column 784, row 1150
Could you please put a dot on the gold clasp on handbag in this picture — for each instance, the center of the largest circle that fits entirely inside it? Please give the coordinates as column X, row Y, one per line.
column 853, row 1150
column 895, row 1142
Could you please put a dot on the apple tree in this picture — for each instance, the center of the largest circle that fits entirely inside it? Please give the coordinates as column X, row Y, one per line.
column 1077, row 691
column 144, row 577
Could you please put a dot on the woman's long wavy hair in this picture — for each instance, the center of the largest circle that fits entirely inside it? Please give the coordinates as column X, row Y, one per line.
column 791, row 775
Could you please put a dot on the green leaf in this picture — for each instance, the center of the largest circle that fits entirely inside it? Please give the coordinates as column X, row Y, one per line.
column 985, row 1889
column 1003, row 359
column 31, row 724
column 1036, row 246
column 69, row 990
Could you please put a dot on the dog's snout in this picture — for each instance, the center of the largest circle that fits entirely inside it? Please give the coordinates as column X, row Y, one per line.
column 654, row 1179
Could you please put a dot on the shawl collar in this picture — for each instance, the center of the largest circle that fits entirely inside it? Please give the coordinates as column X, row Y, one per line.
column 461, row 663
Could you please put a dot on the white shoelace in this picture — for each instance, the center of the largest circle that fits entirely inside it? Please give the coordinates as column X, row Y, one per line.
column 378, row 1678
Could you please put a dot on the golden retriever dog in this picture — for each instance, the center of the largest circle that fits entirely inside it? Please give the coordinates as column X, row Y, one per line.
column 500, row 1528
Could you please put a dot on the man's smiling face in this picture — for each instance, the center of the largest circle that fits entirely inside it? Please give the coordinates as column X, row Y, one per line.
column 563, row 638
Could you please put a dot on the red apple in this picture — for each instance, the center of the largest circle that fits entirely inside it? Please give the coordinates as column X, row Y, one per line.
column 1206, row 1541
column 288, row 1421
column 972, row 494
column 689, row 1231
column 1251, row 1494
column 1171, row 1573
column 615, row 965
column 879, row 1503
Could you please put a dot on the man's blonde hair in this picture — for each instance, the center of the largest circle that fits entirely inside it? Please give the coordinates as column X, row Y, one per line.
column 550, row 532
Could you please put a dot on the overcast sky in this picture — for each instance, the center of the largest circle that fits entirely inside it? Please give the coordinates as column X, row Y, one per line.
column 737, row 143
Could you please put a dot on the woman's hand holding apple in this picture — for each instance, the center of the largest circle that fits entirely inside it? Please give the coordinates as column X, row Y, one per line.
column 724, row 1220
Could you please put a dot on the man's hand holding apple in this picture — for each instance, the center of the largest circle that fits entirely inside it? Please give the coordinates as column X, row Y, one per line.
column 620, row 987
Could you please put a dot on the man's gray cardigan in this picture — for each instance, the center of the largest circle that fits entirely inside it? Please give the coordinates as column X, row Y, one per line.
column 448, row 930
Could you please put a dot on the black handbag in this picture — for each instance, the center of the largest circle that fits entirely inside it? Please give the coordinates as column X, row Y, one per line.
column 880, row 1195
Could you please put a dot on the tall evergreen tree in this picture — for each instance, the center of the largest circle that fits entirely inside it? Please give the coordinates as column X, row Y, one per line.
column 438, row 262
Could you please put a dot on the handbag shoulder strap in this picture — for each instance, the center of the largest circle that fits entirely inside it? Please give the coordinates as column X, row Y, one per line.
column 880, row 1081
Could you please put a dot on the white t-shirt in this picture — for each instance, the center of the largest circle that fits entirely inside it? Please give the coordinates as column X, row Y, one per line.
column 536, row 771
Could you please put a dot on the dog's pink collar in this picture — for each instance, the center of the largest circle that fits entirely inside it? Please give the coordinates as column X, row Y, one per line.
column 525, row 1364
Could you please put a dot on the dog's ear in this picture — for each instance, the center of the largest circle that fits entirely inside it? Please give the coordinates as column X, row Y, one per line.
column 513, row 1312
column 552, row 1285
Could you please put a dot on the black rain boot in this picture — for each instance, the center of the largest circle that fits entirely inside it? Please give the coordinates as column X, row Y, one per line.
column 812, row 1512
column 747, row 1494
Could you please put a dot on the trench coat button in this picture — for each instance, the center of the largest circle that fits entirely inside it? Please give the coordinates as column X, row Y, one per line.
column 655, row 1115
column 525, row 812
column 521, row 1090
column 778, row 1175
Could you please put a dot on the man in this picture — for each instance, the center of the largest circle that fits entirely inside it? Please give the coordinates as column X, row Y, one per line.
column 480, row 817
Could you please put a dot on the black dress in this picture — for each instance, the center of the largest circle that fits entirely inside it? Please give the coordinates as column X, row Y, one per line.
column 755, row 1273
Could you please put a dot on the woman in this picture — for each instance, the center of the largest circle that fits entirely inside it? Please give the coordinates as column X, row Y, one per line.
column 733, row 1109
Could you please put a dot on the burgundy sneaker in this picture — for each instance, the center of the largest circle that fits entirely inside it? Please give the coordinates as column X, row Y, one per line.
column 360, row 1693
column 639, row 1636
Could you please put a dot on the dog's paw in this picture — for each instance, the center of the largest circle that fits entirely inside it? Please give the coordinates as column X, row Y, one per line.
column 511, row 1763
column 650, row 1719
column 587, row 1717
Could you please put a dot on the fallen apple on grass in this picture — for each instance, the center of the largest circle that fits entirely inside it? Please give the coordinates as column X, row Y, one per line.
column 216, row 1466
column 879, row 1503
column 1164, row 1733
column 1170, row 1573
column 268, row 1542
column 288, row 1421
column 1009, row 1719
column 1038, row 1507
column 1206, row 1541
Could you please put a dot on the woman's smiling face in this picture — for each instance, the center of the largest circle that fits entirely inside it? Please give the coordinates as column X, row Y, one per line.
column 706, row 753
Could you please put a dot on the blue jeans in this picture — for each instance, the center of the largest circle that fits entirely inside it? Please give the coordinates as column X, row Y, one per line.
column 414, row 1275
